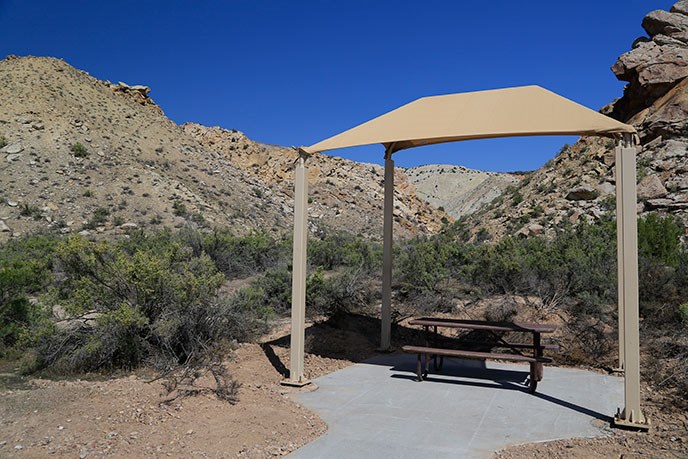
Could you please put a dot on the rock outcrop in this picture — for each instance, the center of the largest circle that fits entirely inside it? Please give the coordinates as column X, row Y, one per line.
column 138, row 93
column 578, row 184
column 654, row 66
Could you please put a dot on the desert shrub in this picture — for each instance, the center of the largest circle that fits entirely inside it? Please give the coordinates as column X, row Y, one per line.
column 327, row 294
column 153, row 302
column 15, row 307
column 25, row 266
column 243, row 256
column 658, row 238
column 422, row 265
column 30, row 211
column 337, row 294
column 340, row 249
column 578, row 260
column 98, row 218
column 3, row 141
column 79, row 150
column 275, row 288
column 682, row 311
column 179, row 208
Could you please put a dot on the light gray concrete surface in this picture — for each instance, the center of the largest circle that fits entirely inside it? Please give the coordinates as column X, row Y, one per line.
column 378, row 410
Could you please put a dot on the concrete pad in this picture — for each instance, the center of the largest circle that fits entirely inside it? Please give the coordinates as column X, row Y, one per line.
column 377, row 409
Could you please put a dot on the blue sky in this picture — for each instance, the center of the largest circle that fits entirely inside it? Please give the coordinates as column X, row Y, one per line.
column 296, row 72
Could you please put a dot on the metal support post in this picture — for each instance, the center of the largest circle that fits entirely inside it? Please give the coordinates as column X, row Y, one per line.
column 631, row 415
column 386, row 312
column 620, row 254
column 298, row 293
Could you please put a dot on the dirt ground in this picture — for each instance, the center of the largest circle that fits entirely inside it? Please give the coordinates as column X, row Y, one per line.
column 127, row 416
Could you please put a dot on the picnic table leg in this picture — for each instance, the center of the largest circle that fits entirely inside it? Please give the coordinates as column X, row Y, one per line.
column 533, row 377
column 419, row 369
column 434, row 343
column 539, row 367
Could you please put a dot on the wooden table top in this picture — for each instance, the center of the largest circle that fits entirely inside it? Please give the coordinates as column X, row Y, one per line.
column 484, row 325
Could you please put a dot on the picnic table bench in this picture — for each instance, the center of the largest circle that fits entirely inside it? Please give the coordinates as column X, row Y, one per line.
column 432, row 348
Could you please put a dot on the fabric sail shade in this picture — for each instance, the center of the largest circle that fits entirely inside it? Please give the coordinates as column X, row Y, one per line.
column 510, row 112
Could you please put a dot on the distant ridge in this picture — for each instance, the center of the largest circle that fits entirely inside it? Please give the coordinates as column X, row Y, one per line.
column 459, row 190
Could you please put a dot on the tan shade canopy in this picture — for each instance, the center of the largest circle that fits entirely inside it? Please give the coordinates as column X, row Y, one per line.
column 520, row 111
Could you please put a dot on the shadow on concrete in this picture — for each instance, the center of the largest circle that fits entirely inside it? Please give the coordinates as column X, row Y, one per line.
column 355, row 337
column 498, row 380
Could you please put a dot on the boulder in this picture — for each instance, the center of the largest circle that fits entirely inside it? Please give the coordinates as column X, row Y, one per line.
column 653, row 67
column 653, row 204
column 606, row 188
column 651, row 64
column 12, row 149
column 583, row 193
column 650, row 187
column 535, row 229
column 663, row 22
column 4, row 228
column 680, row 7
column 678, row 183
column 668, row 115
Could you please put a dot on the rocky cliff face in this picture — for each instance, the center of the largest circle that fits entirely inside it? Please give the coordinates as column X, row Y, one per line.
column 81, row 155
column 343, row 194
column 654, row 98
column 458, row 190
column 578, row 184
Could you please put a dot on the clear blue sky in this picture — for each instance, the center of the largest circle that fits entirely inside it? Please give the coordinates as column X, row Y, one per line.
column 296, row 72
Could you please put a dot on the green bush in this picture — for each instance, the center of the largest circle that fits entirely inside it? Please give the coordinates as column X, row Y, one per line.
column 339, row 249
column 98, row 218
column 154, row 302
column 683, row 312
column 243, row 256
column 658, row 238
column 25, row 266
column 179, row 208
column 30, row 211
column 3, row 141
column 79, row 150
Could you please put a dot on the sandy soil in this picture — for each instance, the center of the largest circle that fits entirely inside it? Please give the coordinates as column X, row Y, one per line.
column 667, row 438
column 127, row 417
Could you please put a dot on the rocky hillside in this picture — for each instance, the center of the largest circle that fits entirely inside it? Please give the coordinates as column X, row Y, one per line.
column 458, row 190
column 81, row 155
column 343, row 194
column 578, row 184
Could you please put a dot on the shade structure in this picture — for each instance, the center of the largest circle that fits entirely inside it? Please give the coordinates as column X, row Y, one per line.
column 510, row 112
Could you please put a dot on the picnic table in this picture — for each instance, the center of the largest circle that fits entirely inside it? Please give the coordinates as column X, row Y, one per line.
column 515, row 350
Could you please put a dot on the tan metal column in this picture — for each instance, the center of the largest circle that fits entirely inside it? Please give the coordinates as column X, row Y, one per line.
column 298, row 286
column 386, row 312
column 620, row 254
column 631, row 415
